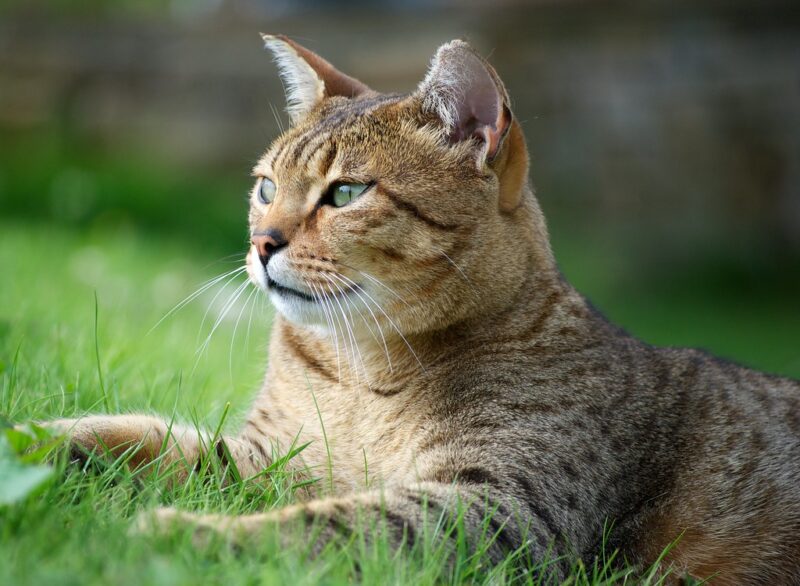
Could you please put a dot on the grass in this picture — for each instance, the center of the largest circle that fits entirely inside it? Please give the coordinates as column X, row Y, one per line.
column 78, row 301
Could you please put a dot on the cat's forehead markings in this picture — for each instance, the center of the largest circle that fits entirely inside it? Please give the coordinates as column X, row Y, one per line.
column 326, row 157
column 298, row 146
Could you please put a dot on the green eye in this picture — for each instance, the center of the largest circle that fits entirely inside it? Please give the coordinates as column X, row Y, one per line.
column 343, row 193
column 266, row 191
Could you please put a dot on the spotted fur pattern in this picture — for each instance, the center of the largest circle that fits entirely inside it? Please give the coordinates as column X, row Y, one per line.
column 427, row 328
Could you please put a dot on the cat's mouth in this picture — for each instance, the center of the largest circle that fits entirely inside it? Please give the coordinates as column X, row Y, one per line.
column 273, row 285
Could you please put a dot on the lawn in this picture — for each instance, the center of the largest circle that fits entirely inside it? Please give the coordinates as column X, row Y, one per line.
column 81, row 329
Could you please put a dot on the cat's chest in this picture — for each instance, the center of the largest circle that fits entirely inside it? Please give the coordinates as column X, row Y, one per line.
column 360, row 434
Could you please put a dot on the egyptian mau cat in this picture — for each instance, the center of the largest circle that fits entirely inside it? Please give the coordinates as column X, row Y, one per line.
column 418, row 298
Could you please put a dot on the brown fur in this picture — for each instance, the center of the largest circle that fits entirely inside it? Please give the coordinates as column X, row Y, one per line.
column 515, row 386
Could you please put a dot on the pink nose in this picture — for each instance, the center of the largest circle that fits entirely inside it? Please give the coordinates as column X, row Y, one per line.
column 266, row 243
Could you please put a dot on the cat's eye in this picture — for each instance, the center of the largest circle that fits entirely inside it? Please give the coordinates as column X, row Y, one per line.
column 343, row 193
column 266, row 190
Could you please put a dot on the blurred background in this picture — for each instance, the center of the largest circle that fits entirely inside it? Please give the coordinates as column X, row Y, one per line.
column 665, row 142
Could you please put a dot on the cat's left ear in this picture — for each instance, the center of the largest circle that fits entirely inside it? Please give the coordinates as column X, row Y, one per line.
column 307, row 77
column 464, row 91
column 466, row 94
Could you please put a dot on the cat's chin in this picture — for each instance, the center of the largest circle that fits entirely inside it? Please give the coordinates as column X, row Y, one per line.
column 299, row 311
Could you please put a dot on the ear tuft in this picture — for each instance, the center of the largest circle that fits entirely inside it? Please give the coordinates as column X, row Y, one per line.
column 307, row 77
column 302, row 85
column 466, row 94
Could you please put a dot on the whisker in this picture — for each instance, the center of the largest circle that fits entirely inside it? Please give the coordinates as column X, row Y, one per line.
column 336, row 276
column 319, row 294
column 350, row 359
column 197, row 292
column 375, row 319
column 225, row 309
column 213, row 299
column 458, row 268
column 277, row 118
column 353, row 340
column 389, row 319
column 236, row 257
column 378, row 282
column 236, row 327
column 250, row 319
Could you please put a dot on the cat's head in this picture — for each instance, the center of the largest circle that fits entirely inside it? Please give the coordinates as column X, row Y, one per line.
column 405, row 212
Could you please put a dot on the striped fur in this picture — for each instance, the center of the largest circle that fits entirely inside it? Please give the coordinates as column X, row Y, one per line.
column 454, row 358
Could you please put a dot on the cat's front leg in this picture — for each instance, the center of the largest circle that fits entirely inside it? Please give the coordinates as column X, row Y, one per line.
column 142, row 439
column 401, row 515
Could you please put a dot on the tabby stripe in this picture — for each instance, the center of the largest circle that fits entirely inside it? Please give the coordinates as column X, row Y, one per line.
column 352, row 110
column 547, row 310
column 311, row 148
column 301, row 143
column 415, row 211
column 502, row 532
column 403, row 525
column 391, row 253
column 259, row 448
column 255, row 425
column 423, row 500
column 297, row 348
column 292, row 146
column 540, row 513
column 279, row 153
column 327, row 161
column 477, row 475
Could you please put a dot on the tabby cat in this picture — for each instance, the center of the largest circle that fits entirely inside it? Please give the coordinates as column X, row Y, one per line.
column 423, row 321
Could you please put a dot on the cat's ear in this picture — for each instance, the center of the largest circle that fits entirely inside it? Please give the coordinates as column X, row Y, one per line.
column 464, row 91
column 466, row 94
column 307, row 77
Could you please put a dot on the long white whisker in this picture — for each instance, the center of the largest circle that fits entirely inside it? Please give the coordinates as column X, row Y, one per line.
column 351, row 359
column 320, row 295
column 250, row 320
column 237, row 257
column 277, row 118
column 197, row 292
column 378, row 282
column 354, row 305
column 213, row 299
column 342, row 278
column 354, row 341
column 389, row 319
column 337, row 327
column 236, row 327
column 225, row 309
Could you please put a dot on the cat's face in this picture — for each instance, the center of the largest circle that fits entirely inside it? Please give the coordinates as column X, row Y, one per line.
column 369, row 216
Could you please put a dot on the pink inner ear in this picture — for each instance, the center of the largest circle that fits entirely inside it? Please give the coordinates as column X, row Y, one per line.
column 480, row 109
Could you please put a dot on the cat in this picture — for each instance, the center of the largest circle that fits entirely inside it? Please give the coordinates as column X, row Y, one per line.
column 422, row 319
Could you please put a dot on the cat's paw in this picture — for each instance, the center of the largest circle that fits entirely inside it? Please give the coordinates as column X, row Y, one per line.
column 77, row 439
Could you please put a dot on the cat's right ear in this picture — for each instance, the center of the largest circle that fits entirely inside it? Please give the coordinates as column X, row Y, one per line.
column 308, row 78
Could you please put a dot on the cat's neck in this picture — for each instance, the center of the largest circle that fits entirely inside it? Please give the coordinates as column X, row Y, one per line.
column 543, row 307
